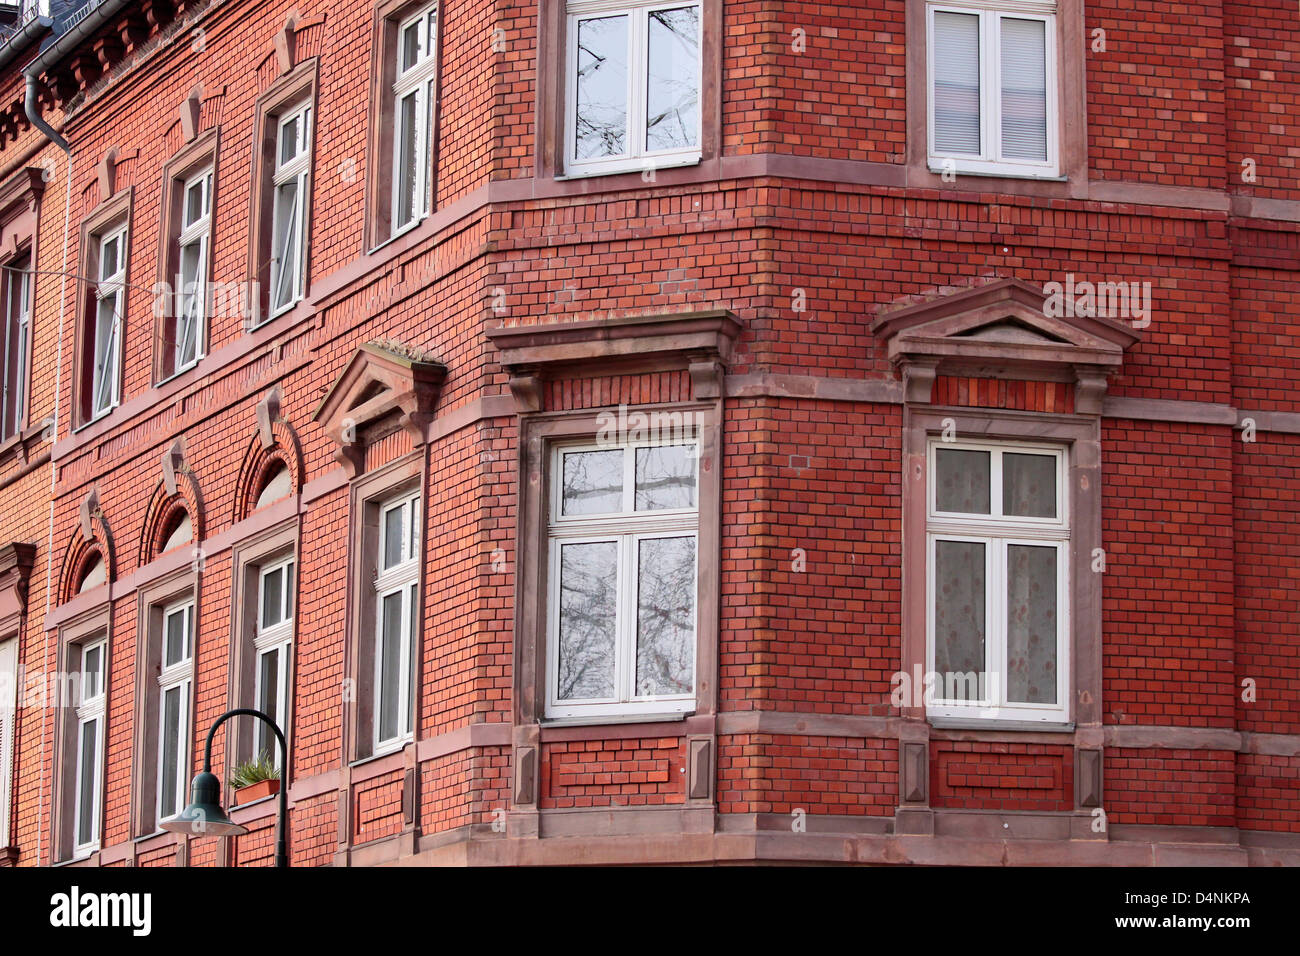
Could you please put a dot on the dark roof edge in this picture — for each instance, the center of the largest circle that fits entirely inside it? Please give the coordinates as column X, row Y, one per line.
column 82, row 30
column 22, row 38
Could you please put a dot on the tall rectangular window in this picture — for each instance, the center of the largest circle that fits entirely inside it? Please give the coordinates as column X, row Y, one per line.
column 993, row 89
column 174, row 683
column 272, row 644
column 90, row 748
column 17, row 292
column 998, row 545
column 623, row 532
column 396, row 623
column 633, row 85
column 191, row 283
column 8, row 711
column 106, row 323
column 290, row 204
column 413, row 116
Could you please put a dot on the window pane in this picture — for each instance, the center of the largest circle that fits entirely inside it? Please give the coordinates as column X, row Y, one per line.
column 289, row 139
column 394, row 527
column 672, row 82
column 170, row 742
column 86, row 797
column 105, row 353
column 1031, row 624
column 665, row 477
column 108, row 256
column 288, row 587
column 962, row 481
column 1024, row 89
column 414, row 633
column 601, row 110
column 588, row 612
column 174, row 650
column 272, row 597
column 194, row 204
column 411, row 44
column 408, row 159
column 665, row 648
column 956, row 83
column 593, row 482
column 268, row 700
column 959, row 620
column 390, row 665
column 92, row 673
column 1029, row 485
column 286, row 243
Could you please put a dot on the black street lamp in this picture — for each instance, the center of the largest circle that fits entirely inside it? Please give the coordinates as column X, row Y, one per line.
column 204, row 816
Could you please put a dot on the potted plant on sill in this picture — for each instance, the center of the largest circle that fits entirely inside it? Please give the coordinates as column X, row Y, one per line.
column 254, row 779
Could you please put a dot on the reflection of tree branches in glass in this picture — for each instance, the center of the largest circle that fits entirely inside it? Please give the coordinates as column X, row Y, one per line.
column 665, row 477
column 673, row 95
column 601, row 113
column 593, row 482
column 588, row 602
column 665, row 651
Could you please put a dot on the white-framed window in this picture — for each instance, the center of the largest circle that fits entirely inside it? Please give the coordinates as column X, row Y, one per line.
column 90, row 747
column 992, row 88
column 174, row 682
column 273, row 644
column 633, row 82
column 997, row 583
column 110, row 299
column 192, row 260
column 397, row 582
column 622, row 602
column 414, row 116
column 8, row 711
column 290, row 203
column 17, row 332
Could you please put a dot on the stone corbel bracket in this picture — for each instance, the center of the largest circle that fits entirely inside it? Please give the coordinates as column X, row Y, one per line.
column 1002, row 329
column 699, row 342
column 381, row 380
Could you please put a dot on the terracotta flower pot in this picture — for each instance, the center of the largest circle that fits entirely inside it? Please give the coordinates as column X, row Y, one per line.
column 256, row 791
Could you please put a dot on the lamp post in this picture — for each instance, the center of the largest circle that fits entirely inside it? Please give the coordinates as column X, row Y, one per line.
column 204, row 816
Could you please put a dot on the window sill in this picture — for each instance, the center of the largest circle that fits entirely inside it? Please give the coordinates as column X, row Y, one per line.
column 381, row 752
column 1006, row 174
column 637, row 167
column 993, row 723
column 605, row 719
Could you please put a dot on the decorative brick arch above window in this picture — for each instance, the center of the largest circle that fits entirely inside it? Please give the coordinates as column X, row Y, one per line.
column 177, row 497
column 385, row 387
column 274, row 447
column 92, row 543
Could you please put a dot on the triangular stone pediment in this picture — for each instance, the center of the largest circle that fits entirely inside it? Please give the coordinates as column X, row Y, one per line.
column 380, row 380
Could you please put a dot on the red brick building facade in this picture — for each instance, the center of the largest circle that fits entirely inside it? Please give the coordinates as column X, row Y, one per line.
column 590, row 427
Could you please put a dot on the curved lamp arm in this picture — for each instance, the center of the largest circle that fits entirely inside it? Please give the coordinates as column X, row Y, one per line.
column 281, row 850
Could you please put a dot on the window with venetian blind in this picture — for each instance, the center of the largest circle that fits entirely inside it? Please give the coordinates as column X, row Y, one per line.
column 992, row 88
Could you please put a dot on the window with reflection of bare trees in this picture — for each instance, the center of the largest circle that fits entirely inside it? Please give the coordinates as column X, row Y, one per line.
column 636, row 81
column 623, row 561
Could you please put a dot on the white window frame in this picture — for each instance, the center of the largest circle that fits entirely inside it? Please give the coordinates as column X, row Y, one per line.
column 192, row 295
column 106, row 382
column 18, row 315
column 418, row 79
column 279, row 638
column 8, row 714
column 402, row 578
column 179, row 675
column 989, row 161
column 637, row 158
column 295, row 171
column 90, row 708
column 628, row 528
column 996, row 532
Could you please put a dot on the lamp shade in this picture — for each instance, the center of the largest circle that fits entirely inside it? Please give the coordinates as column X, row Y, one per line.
column 204, row 816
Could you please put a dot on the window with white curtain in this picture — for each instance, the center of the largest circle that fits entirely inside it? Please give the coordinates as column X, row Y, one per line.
column 998, row 544
column 413, row 116
column 621, row 618
column 634, row 79
column 90, row 748
column 289, row 205
column 992, row 88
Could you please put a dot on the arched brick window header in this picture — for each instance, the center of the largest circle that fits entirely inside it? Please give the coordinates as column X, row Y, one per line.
column 92, row 543
column 274, row 447
column 176, row 497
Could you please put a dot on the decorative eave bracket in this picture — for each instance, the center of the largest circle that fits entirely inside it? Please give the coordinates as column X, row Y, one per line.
column 700, row 342
column 1002, row 329
column 382, row 379
column 16, row 560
